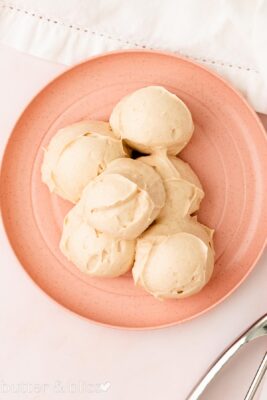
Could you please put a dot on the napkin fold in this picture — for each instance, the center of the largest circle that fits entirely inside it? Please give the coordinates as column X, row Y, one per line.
column 227, row 36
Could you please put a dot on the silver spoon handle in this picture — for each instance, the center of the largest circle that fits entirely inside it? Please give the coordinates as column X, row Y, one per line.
column 259, row 328
column 215, row 369
column 257, row 379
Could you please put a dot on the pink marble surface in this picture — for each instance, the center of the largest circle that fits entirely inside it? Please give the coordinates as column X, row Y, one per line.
column 44, row 344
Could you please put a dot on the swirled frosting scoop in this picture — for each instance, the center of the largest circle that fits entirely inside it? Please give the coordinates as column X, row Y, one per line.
column 125, row 199
column 133, row 213
column 94, row 252
column 183, row 188
column 76, row 155
column 174, row 260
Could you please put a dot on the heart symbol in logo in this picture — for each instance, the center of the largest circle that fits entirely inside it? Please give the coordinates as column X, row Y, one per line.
column 105, row 386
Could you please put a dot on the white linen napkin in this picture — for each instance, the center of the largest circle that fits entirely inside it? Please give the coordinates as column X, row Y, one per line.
column 228, row 36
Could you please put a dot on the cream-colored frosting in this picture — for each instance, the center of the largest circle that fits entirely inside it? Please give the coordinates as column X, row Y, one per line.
column 94, row 252
column 183, row 188
column 125, row 199
column 151, row 119
column 119, row 198
column 76, row 155
column 175, row 259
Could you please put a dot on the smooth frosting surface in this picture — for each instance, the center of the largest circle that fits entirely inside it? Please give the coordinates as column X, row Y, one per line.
column 151, row 119
column 174, row 260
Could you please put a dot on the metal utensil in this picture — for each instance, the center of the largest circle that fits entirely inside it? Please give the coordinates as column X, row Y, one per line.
column 258, row 329
column 257, row 379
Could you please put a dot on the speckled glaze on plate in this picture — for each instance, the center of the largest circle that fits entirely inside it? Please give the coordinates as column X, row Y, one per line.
column 228, row 152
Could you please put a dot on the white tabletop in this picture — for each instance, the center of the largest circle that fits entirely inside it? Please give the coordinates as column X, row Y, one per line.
column 45, row 345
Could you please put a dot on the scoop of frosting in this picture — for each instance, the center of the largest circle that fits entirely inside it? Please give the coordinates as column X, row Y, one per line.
column 125, row 199
column 94, row 252
column 76, row 155
column 183, row 188
column 151, row 119
column 174, row 260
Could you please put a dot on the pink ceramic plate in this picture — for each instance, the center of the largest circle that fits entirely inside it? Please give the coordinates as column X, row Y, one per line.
column 228, row 151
